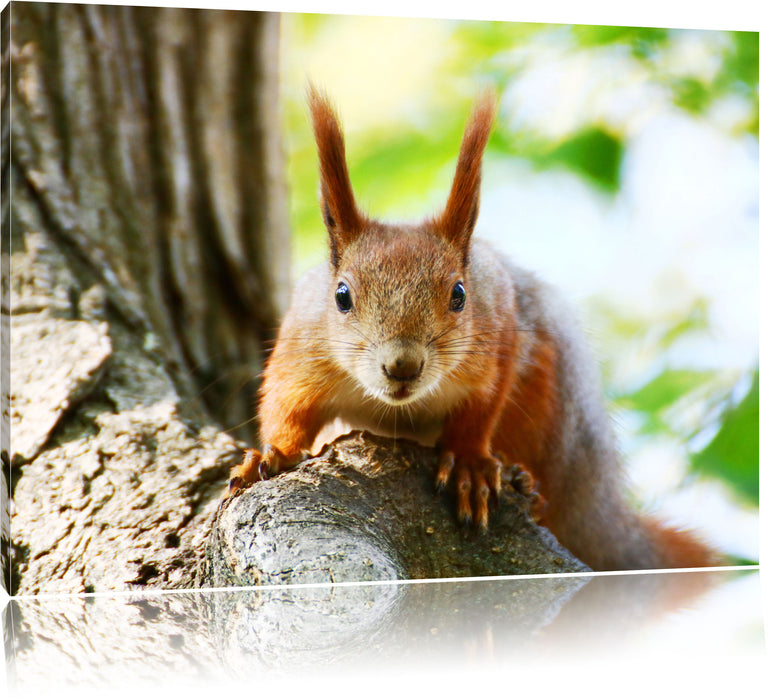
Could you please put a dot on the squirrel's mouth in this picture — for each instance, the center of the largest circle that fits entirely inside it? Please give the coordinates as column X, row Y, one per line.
column 398, row 394
column 401, row 393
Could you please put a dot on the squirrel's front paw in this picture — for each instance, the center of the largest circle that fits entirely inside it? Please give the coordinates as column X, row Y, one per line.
column 258, row 467
column 476, row 480
column 523, row 482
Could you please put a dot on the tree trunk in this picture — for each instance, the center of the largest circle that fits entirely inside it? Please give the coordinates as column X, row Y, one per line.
column 146, row 243
column 148, row 261
column 145, row 146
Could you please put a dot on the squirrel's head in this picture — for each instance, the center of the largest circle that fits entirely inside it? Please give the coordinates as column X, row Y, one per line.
column 399, row 312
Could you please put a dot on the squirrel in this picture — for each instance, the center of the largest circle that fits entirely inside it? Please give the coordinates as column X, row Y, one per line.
column 423, row 331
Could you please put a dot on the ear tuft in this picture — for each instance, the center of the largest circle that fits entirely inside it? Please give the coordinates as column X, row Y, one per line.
column 338, row 204
column 460, row 215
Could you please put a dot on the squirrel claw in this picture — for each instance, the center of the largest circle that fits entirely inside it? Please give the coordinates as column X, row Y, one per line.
column 524, row 483
column 235, row 484
column 258, row 467
column 444, row 469
column 249, row 471
column 477, row 482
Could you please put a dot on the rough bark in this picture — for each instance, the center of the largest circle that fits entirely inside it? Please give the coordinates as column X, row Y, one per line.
column 145, row 264
column 113, row 476
column 147, row 261
column 145, row 143
column 365, row 510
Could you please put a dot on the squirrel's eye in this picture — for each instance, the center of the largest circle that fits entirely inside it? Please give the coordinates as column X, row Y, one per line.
column 458, row 297
column 342, row 297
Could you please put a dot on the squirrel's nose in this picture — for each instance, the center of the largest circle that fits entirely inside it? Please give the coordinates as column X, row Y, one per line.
column 401, row 359
column 403, row 369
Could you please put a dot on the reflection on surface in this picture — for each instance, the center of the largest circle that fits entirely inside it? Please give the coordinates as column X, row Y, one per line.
column 244, row 635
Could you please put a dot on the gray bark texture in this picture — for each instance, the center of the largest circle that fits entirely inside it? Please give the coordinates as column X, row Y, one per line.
column 379, row 520
column 145, row 258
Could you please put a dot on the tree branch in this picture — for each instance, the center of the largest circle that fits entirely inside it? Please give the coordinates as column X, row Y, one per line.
column 365, row 510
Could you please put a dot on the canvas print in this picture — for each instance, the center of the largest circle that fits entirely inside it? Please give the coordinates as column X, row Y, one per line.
column 296, row 298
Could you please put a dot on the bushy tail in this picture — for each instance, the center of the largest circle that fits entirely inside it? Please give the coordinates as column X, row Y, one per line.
column 679, row 547
column 603, row 530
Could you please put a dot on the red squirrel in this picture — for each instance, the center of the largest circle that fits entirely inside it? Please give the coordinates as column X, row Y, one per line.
column 422, row 331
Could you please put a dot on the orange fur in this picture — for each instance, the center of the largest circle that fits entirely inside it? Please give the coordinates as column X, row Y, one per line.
column 338, row 204
column 680, row 547
column 529, row 417
column 457, row 221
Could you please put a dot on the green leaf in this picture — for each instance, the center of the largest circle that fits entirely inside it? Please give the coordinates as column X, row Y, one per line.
column 658, row 398
column 742, row 64
column 691, row 95
column 643, row 41
column 666, row 389
column 593, row 152
column 480, row 41
column 733, row 455
column 740, row 74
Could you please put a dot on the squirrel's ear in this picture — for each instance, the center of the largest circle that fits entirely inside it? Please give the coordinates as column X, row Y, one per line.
column 338, row 205
column 456, row 223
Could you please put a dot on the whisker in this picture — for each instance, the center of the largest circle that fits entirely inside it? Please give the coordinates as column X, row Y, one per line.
column 241, row 425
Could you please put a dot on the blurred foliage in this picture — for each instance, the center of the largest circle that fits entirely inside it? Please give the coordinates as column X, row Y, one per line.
column 711, row 415
column 642, row 42
column 733, row 454
column 738, row 75
column 701, row 409
column 498, row 53
column 594, row 153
